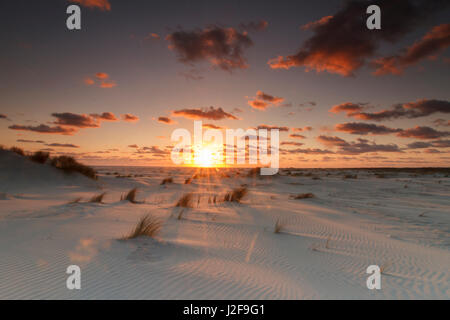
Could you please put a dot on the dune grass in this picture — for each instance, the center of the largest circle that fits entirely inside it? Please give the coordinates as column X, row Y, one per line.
column 236, row 195
column 147, row 226
column 303, row 196
column 188, row 180
column 166, row 181
column 180, row 215
column 97, row 198
column 75, row 201
column 278, row 226
column 185, row 201
column 39, row 157
column 130, row 196
column 70, row 165
column 18, row 150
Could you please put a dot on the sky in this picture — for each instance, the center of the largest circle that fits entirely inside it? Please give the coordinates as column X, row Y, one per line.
column 342, row 95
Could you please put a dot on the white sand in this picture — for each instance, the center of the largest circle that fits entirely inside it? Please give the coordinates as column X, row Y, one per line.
column 226, row 250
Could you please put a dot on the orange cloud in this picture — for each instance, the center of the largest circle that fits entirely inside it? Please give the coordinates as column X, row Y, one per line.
column 128, row 117
column 102, row 75
column 431, row 44
column 100, row 4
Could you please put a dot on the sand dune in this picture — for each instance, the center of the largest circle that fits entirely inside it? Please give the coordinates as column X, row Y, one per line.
column 223, row 250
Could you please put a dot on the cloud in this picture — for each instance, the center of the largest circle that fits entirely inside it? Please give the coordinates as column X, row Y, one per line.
column 105, row 116
column 311, row 151
column 297, row 136
column 256, row 104
column 263, row 100
column 364, row 146
column 210, row 113
column 364, row 128
column 102, row 75
column 422, row 133
column 153, row 36
column 62, row 145
column 429, row 46
column 221, row 47
column 342, row 44
column 441, row 123
column 347, row 107
column 357, row 147
column 42, row 128
column 76, row 120
column 165, row 120
column 332, row 141
column 254, row 26
column 133, row 146
column 419, row 145
column 291, row 143
column 212, row 126
column 128, row 117
column 103, row 5
column 89, row 81
column 314, row 24
column 441, row 143
column 302, row 129
column 30, row 141
column 411, row 110
column 3, row 116
column 268, row 127
column 107, row 85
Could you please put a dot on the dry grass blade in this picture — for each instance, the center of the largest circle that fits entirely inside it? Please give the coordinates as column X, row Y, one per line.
column 278, row 227
column 166, row 181
column 185, row 201
column 39, row 157
column 147, row 226
column 236, row 195
column 303, row 196
column 97, row 198
column 130, row 196
column 77, row 200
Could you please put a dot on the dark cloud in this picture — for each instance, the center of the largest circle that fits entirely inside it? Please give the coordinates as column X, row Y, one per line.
column 254, row 26
column 62, row 145
column 42, row 128
column 165, row 120
column 297, row 136
column 129, row 117
column 133, row 146
column 364, row 146
column 419, row 145
column 268, row 127
column 422, row 133
column 291, row 143
column 3, row 116
column 30, row 141
column 364, row 128
column 411, row 110
column 429, row 46
column 210, row 113
column 76, row 120
column 212, row 126
column 342, row 44
column 105, row 116
column 221, row 47
column 441, row 123
column 311, row 151
column 332, row 141
column 302, row 129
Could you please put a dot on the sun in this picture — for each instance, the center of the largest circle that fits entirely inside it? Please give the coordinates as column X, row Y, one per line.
column 207, row 157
